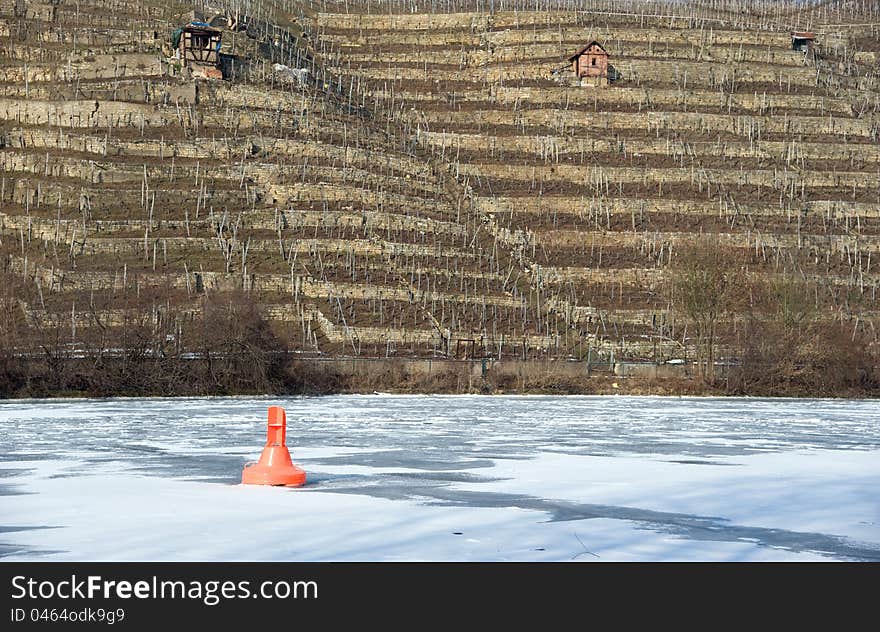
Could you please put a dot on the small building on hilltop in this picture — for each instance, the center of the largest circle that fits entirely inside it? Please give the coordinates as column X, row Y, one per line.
column 802, row 40
column 590, row 65
column 590, row 61
column 198, row 47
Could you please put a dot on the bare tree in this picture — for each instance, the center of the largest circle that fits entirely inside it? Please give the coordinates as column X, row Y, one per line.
column 707, row 284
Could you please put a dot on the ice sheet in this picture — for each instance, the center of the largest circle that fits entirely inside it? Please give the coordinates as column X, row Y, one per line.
column 444, row 478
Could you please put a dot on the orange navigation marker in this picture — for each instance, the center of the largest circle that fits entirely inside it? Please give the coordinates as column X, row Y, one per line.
column 274, row 466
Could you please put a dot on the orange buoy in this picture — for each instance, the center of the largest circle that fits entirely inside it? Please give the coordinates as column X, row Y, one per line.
column 274, row 466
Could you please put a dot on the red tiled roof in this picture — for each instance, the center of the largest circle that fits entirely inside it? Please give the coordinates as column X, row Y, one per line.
column 583, row 50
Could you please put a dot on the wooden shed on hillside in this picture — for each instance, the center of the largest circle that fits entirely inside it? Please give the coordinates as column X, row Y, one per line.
column 200, row 43
column 199, row 48
column 802, row 40
column 590, row 61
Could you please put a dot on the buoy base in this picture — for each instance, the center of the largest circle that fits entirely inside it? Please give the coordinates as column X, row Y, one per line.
column 260, row 475
column 274, row 468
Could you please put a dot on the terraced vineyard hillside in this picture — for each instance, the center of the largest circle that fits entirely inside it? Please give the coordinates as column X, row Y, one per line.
column 434, row 187
column 135, row 197
column 710, row 133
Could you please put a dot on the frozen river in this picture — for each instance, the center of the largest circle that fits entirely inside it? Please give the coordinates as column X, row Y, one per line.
column 444, row 478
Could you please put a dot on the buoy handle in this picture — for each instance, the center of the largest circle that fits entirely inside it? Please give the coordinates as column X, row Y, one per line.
column 277, row 427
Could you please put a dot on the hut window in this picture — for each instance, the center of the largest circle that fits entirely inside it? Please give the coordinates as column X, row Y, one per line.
column 594, row 61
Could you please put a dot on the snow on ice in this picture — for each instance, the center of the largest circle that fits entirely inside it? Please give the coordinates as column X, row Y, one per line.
column 444, row 478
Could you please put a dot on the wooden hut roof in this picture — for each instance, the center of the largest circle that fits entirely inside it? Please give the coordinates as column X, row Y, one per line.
column 584, row 49
column 201, row 27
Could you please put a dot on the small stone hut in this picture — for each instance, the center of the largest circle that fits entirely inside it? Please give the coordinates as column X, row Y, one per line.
column 590, row 61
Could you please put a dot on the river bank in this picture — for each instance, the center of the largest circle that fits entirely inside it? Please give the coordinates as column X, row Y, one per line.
column 148, row 377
